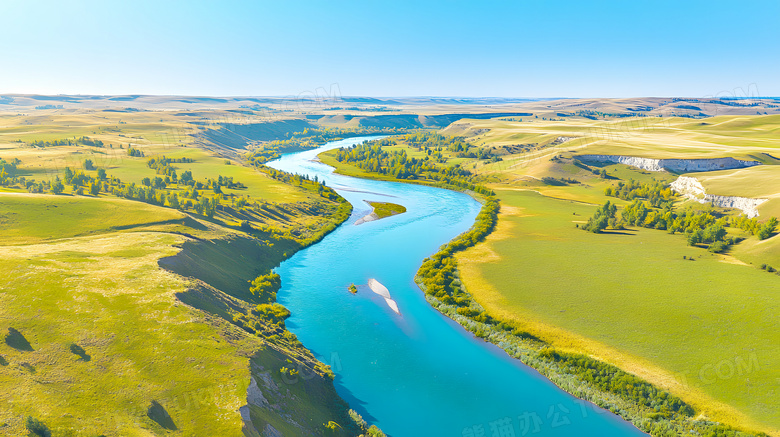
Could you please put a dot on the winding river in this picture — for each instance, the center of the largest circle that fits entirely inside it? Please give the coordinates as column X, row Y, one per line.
column 416, row 373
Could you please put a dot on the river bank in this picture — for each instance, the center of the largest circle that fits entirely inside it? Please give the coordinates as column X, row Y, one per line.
column 676, row 417
column 420, row 355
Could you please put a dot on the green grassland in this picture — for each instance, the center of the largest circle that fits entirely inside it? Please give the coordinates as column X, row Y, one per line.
column 107, row 295
column 648, row 137
column 158, row 298
column 257, row 201
column 121, row 303
column 147, row 334
column 172, row 139
column 27, row 218
column 632, row 291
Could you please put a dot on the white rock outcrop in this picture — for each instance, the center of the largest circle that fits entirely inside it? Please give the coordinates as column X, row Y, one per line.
column 691, row 188
column 675, row 165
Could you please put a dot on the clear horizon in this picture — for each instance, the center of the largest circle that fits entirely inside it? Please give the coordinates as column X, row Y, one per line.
column 533, row 50
column 727, row 94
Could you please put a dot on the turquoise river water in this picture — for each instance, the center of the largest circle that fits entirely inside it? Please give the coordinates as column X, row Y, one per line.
column 417, row 373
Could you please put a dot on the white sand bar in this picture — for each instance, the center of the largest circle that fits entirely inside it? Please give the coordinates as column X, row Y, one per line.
column 381, row 290
column 369, row 218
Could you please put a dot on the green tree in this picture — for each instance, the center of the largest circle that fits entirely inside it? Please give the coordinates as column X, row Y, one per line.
column 186, row 177
column 68, row 175
column 374, row 431
column 94, row 188
column 36, row 427
column 57, row 187
column 713, row 233
column 695, row 237
column 766, row 230
column 601, row 219
column 265, row 286
column 173, row 201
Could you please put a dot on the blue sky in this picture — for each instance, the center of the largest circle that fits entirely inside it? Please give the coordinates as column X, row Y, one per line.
column 393, row 48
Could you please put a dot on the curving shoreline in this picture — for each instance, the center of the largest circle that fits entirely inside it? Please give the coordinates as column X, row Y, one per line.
column 451, row 367
column 529, row 351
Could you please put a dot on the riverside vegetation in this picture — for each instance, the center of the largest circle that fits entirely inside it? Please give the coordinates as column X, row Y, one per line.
column 649, row 407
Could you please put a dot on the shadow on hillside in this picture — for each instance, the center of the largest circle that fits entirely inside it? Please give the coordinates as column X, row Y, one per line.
column 227, row 264
column 78, row 350
column 619, row 232
column 158, row 413
column 16, row 340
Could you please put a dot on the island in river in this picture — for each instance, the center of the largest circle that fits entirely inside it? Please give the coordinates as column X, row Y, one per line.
column 381, row 210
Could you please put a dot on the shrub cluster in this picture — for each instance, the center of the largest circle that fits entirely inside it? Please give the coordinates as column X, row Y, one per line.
column 658, row 193
column 613, row 380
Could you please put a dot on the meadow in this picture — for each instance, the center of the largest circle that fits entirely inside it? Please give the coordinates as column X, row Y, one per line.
column 107, row 295
column 632, row 299
column 28, row 218
column 526, row 147
column 130, row 318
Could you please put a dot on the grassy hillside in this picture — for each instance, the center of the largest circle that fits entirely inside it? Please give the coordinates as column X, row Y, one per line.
column 134, row 318
column 28, row 218
column 666, row 137
column 107, row 296
column 87, row 311
column 152, row 304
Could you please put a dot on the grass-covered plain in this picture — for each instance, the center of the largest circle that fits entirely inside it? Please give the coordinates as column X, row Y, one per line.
column 630, row 297
column 107, row 295
column 527, row 145
column 153, row 133
column 83, row 270
column 649, row 137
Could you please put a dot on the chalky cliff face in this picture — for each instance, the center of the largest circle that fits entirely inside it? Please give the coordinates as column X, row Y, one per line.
column 691, row 188
column 674, row 165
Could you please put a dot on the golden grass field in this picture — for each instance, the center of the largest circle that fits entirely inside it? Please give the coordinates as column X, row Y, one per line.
column 740, row 137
